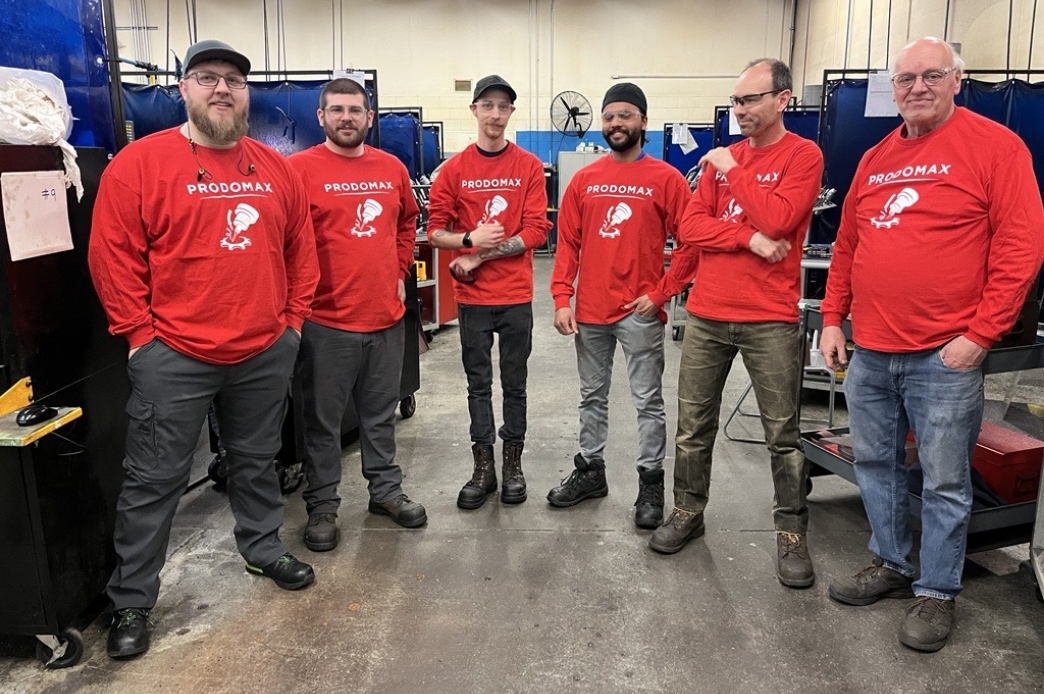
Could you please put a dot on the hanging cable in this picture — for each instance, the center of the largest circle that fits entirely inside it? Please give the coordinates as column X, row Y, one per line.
column 870, row 38
column 166, row 66
column 888, row 35
column 341, row 32
column 946, row 22
column 195, row 23
column 848, row 33
column 804, row 59
column 1033, row 29
column 1011, row 15
column 264, row 14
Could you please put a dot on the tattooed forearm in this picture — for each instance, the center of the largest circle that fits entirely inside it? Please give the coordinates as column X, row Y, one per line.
column 513, row 246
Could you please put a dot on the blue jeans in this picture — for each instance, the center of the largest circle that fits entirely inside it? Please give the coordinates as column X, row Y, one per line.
column 889, row 394
column 514, row 325
column 642, row 342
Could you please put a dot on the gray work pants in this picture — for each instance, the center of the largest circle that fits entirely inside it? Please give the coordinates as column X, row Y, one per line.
column 170, row 393
column 335, row 366
column 642, row 341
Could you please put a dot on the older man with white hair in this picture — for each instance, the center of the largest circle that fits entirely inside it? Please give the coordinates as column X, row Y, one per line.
column 959, row 189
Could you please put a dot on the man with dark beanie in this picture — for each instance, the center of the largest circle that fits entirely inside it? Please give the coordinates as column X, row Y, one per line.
column 613, row 225
column 489, row 206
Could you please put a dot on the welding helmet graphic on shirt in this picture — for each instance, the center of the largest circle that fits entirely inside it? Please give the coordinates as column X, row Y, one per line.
column 732, row 211
column 615, row 216
column 239, row 220
column 365, row 213
column 896, row 204
column 494, row 206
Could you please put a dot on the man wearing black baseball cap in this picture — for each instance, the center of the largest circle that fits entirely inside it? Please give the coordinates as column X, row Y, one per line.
column 203, row 256
column 489, row 206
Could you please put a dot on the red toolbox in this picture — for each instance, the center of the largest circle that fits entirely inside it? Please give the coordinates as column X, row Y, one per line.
column 1009, row 462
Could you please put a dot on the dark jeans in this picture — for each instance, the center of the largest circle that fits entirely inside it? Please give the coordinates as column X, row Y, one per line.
column 336, row 366
column 514, row 325
column 772, row 354
column 170, row 393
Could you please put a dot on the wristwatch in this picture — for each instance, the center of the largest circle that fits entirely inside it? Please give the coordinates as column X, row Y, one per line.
column 466, row 241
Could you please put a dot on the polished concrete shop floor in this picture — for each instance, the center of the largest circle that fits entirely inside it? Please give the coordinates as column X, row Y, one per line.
column 534, row 599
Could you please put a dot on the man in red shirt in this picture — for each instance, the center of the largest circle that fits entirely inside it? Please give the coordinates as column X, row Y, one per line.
column 489, row 204
column 752, row 207
column 613, row 225
column 203, row 257
column 365, row 219
column 956, row 190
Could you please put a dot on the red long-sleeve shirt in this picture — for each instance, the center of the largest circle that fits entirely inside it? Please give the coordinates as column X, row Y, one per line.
column 771, row 190
column 612, row 227
column 473, row 188
column 365, row 219
column 941, row 236
column 216, row 268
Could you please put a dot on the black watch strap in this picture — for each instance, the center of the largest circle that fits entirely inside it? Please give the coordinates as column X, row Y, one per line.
column 466, row 241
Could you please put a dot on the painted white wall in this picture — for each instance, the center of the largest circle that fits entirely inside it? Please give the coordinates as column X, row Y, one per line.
column 981, row 26
column 542, row 47
column 419, row 47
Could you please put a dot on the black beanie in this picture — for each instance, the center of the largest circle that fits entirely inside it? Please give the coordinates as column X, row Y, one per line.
column 627, row 93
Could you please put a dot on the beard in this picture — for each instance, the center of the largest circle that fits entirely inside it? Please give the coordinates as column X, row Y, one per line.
column 223, row 131
column 344, row 138
column 634, row 137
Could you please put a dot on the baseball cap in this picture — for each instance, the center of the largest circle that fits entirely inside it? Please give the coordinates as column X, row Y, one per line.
column 212, row 49
column 493, row 82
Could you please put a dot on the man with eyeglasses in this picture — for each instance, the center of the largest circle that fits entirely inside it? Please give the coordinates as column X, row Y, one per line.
column 203, row 256
column 940, row 241
column 748, row 218
column 489, row 205
column 616, row 216
column 365, row 219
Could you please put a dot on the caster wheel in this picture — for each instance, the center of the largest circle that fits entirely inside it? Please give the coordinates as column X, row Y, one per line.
column 290, row 476
column 676, row 333
column 808, row 486
column 217, row 471
column 429, row 335
column 408, row 406
column 70, row 650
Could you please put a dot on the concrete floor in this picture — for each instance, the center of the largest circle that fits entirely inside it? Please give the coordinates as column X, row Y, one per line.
column 533, row 599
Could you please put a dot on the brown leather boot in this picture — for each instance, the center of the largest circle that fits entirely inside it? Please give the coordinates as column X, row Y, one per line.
column 513, row 488
column 484, row 480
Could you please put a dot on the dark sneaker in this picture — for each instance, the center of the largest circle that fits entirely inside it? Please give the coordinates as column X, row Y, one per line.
column 408, row 514
column 321, row 533
column 793, row 565
column 927, row 624
column 585, row 482
column 513, row 484
column 870, row 585
column 129, row 632
column 648, row 507
column 680, row 527
column 287, row 572
column 483, row 480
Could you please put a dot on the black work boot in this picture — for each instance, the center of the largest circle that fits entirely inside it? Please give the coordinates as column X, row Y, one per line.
column 129, row 633
column 513, row 487
column 321, row 533
column 587, row 481
column 483, row 482
column 648, row 507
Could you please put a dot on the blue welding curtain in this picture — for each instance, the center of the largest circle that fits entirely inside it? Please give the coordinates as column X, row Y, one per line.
column 282, row 114
column 432, row 147
column 673, row 154
column 402, row 135
column 66, row 39
column 847, row 134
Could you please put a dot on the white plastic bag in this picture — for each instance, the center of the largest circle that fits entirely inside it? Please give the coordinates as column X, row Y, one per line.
column 34, row 111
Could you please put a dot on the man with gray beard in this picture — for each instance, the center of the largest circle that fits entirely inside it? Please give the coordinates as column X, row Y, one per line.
column 203, row 256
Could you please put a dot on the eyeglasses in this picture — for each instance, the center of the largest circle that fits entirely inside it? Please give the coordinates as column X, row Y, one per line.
column 608, row 116
column 906, row 80
column 502, row 106
column 750, row 99
column 210, row 80
column 353, row 111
